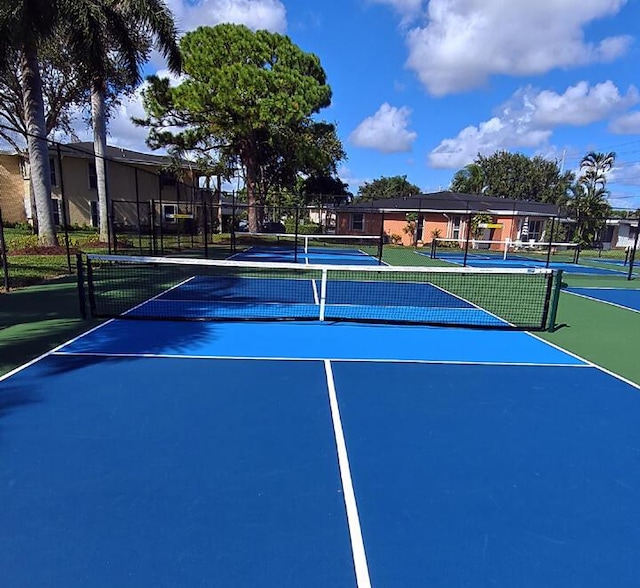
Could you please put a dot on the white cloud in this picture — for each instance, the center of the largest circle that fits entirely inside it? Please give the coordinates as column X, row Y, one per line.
column 385, row 131
column 255, row 14
column 464, row 42
column 528, row 119
column 626, row 124
column 582, row 104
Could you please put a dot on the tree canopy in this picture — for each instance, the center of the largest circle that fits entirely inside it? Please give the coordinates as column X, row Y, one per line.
column 387, row 187
column 469, row 180
column 246, row 94
column 514, row 175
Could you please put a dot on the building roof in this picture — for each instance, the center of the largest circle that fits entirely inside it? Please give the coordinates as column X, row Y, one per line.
column 84, row 149
column 456, row 203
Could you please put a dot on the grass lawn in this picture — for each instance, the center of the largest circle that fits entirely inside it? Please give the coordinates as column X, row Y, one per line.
column 36, row 319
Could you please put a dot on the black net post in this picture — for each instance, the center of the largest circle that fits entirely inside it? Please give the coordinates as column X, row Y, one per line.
column 3, row 256
column 553, row 298
column 553, row 226
column 466, row 243
column 632, row 254
column 65, row 220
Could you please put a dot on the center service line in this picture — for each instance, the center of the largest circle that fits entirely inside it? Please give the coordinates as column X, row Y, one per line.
column 357, row 544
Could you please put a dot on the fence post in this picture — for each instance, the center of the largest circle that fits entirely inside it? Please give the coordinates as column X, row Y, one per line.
column 65, row 220
column 205, row 228
column 3, row 256
column 295, row 238
column 632, row 254
column 112, row 224
column 135, row 177
column 81, row 293
column 466, row 244
column 553, row 226
column 152, row 221
column 381, row 242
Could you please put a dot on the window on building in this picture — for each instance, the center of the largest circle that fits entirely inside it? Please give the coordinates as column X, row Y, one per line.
column 456, row 227
column 93, row 177
column 168, row 213
column 57, row 211
column 536, row 228
column 357, row 221
column 94, row 210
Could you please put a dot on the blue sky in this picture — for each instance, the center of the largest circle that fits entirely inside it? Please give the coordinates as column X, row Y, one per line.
column 420, row 87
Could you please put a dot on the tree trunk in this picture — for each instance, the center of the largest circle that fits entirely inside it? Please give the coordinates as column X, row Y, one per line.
column 99, row 121
column 40, row 170
column 254, row 217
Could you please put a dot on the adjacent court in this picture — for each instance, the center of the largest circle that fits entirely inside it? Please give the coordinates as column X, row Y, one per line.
column 628, row 298
column 480, row 260
column 321, row 451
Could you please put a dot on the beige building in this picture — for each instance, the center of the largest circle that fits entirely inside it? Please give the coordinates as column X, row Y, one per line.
column 133, row 179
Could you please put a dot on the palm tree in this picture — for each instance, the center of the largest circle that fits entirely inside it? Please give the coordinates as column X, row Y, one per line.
column 595, row 166
column 590, row 207
column 590, row 195
column 120, row 37
column 469, row 180
column 24, row 26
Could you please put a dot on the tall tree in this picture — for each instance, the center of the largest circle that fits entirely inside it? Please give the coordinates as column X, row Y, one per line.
column 469, row 180
column 25, row 25
column 62, row 89
column 594, row 168
column 589, row 203
column 514, row 175
column 387, row 187
column 252, row 92
column 128, row 31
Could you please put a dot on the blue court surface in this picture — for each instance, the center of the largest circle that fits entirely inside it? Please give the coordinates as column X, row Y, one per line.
column 484, row 260
column 319, row 455
column 628, row 298
column 253, row 298
column 315, row 255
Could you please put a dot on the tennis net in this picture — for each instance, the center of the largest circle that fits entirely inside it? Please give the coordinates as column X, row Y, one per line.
column 189, row 289
column 313, row 243
column 526, row 251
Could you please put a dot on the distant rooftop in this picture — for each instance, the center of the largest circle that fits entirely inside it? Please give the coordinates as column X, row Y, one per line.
column 84, row 149
column 458, row 203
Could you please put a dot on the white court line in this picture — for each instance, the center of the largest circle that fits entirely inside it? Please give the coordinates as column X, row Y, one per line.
column 617, row 305
column 53, row 351
column 339, row 359
column 357, row 543
column 316, row 298
column 586, row 361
